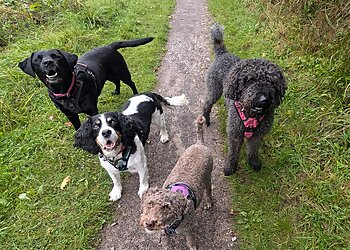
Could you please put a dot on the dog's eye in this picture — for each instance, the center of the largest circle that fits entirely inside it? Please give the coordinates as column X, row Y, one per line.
column 111, row 121
column 96, row 125
column 55, row 56
column 166, row 206
column 38, row 58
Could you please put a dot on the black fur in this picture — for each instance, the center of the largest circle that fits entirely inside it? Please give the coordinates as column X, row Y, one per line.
column 94, row 68
column 258, row 86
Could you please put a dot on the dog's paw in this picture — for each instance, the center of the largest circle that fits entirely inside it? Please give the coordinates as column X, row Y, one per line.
column 208, row 206
column 142, row 189
column 164, row 138
column 115, row 195
column 255, row 164
column 229, row 169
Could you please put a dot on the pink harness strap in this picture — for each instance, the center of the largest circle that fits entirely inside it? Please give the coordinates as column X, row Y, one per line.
column 249, row 123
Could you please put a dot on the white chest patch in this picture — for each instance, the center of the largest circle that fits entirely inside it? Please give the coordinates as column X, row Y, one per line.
column 134, row 102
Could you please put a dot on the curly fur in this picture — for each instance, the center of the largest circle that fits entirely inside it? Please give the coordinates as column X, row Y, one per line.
column 259, row 87
column 160, row 207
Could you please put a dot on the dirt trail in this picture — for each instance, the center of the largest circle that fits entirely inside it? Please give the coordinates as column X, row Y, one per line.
column 182, row 71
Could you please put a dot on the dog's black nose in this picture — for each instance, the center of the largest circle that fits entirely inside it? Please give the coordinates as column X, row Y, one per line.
column 262, row 99
column 150, row 223
column 106, row 133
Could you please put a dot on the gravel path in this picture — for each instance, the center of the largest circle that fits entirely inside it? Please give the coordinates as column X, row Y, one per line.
column 182, row 71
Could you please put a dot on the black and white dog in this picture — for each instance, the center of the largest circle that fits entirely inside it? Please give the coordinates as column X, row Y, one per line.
column 119, row 137
column 73, row 83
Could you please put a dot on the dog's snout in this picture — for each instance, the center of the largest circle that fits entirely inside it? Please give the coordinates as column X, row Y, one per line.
column 48, row 62
column 150, row 223
column 106, row 133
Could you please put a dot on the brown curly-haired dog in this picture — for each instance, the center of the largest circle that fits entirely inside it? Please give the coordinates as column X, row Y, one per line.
column 171, row 209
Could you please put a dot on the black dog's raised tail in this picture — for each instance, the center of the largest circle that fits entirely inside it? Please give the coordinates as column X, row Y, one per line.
column 131, row 43
column 200, row 129
column 217, row 36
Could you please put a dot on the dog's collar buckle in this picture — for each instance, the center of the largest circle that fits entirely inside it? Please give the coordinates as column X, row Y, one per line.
column 121, row 163
column 249, row 123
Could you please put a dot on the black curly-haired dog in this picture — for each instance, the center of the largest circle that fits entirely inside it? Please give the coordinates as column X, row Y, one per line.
column 73, row 83
column 119, row 137
column 253, row 89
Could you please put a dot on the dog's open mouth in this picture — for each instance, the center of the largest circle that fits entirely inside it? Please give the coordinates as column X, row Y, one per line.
column 51, row 75
column 110, row 145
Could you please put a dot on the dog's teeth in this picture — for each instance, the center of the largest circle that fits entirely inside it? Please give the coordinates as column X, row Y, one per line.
column 53, row 76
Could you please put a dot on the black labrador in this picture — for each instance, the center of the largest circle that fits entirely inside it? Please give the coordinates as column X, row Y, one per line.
column 73, row 83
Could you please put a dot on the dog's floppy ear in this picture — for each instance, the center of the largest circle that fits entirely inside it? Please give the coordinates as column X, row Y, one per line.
column 26, row 66
column 84, row 139
column 280, row 84
column 72, row 59
column 128, row 128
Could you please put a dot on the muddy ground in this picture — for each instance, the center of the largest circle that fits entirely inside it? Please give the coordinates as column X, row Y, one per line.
column 182, row 71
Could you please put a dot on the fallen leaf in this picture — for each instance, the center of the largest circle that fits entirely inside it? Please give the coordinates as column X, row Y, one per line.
column 68, row 124
column 23, row 196
column 65, row 182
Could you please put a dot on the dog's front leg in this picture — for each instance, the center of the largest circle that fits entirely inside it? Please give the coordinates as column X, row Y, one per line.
column 253, row 146
column 116, row 192
column 72, row 117
column 234, row 140
column 190, row 240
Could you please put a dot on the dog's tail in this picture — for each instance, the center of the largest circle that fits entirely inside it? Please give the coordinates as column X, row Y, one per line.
column 200, row 129
column 217, row 37
column 180, row 100
column 131, row 43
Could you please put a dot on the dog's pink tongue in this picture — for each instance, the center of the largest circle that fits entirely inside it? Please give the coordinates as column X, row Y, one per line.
column 110, row 145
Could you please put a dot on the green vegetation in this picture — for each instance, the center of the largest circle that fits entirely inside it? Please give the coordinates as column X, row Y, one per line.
column 36, row 151
column 301, row 198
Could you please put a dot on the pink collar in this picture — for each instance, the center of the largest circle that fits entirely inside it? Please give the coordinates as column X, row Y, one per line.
column 69, row 89
column 250, row 124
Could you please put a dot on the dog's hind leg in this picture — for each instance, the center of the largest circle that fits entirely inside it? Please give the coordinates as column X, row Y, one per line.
column 253, row 146
column 208, row 193
column 159, row 120
column 143, row 177
column 213, row 94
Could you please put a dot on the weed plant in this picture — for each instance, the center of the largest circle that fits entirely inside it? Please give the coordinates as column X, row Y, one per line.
column 36, row 147
column 301, row 197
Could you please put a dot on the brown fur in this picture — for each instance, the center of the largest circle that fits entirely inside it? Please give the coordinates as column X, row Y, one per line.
column 161, row 207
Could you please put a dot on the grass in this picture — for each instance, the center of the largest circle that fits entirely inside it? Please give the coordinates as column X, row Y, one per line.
column 301, row 198
column 36, row 151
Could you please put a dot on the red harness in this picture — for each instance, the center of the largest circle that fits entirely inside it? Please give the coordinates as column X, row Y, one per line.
column 67, row 94
column 250, row 124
